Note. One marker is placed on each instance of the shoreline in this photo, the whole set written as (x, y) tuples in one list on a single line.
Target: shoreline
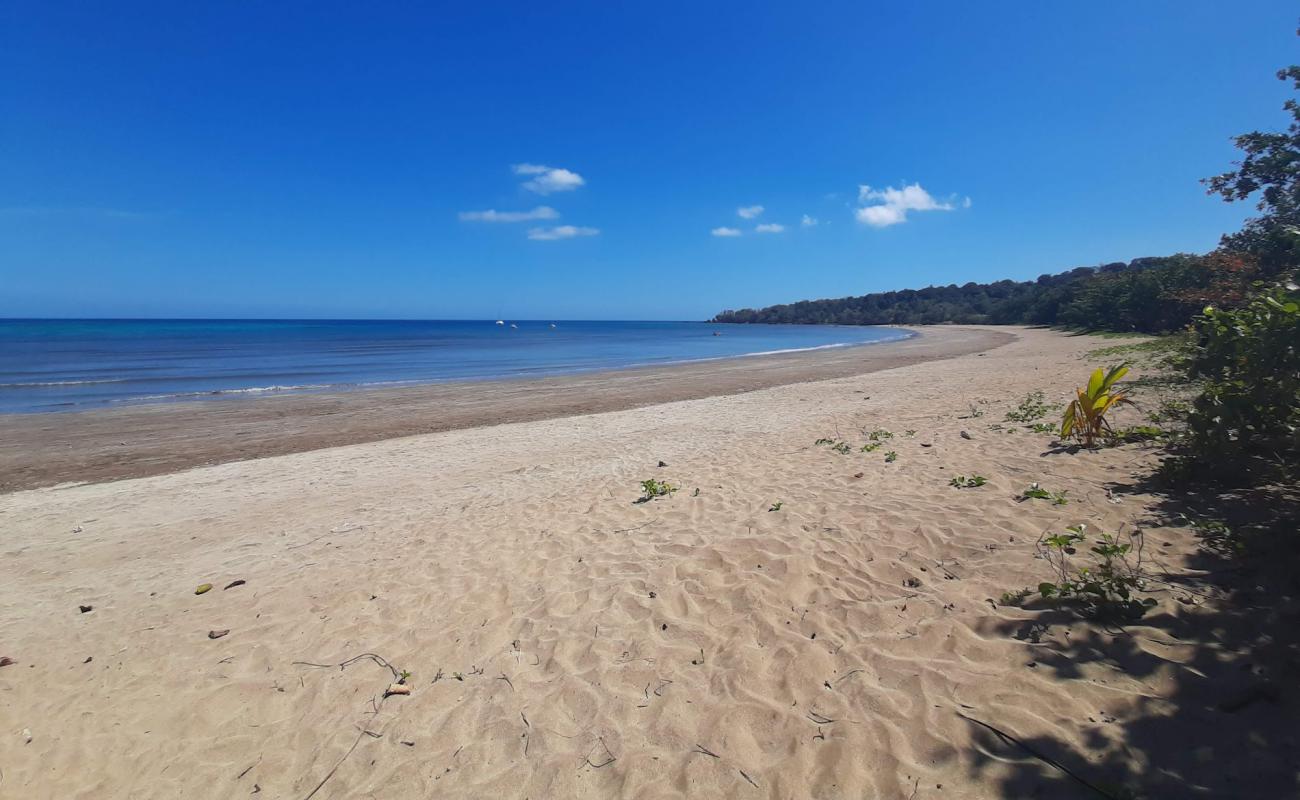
[(822, 619), (145, 439)]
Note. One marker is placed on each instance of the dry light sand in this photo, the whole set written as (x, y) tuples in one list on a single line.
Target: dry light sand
[(564, 641)]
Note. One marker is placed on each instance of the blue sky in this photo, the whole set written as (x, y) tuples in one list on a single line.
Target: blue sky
[(336, 159)]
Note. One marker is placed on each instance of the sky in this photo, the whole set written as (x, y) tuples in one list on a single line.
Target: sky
[(605, 160)]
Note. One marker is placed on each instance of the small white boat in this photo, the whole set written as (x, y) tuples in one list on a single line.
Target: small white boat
[(513, 325), (501, 322), (552, 324)]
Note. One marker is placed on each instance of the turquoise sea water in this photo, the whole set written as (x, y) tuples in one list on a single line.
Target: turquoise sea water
[(66, 365)]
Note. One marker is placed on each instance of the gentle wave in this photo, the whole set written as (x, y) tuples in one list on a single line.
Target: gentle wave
[(900, 337), (244, 390), (39, 384)]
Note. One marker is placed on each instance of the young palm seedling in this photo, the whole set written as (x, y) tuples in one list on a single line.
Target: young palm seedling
[(1085, 417), (962, 482), (776, 506), (891, 457)]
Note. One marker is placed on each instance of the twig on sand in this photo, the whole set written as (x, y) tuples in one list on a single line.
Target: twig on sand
[(375, 706), (342, 665), (637, 528), (746, 777), (1008, 738), (610, 758), (334, 532), (699, 748)]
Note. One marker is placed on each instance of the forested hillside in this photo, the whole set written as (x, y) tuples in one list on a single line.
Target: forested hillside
[(1146, 294)]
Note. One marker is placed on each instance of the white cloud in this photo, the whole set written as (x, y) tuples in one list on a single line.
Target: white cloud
[(881, 216), (492, 215), (771, 227), (725, 231), (548, 179), (749, 212), (892, 205), (807, 222), (560, 232)]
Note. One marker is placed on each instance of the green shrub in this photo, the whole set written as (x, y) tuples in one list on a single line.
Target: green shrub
[(1249, 359), (1106, 588)]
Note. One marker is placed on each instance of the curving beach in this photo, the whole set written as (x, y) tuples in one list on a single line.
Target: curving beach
[(791, 622)]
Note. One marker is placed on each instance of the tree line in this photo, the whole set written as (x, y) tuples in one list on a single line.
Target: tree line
[(1150, 295)]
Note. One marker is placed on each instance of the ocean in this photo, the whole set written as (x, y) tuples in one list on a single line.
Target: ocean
[(71, 365)]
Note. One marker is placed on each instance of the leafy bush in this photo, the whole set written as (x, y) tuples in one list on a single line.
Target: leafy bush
[(962, 482), (1085, 417), (1249, 359), (1104, 589)]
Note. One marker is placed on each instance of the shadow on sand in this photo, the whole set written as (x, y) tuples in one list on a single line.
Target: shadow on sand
[(1222, 719)]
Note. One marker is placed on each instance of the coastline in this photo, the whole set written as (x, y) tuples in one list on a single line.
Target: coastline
[(140, 440), (809, 621)]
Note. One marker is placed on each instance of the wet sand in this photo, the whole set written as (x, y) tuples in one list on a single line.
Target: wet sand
[(140, 440)]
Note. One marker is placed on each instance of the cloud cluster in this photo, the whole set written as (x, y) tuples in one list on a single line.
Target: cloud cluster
[(541, 180), (752, 212), (492, 215), (881, 208), (808, 222), (546, 180), (560, 232)]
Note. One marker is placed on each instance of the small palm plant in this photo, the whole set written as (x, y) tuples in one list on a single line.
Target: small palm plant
[(1085, 417)]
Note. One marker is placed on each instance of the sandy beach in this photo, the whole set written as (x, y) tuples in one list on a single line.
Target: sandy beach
[(792, 622), (154, 439)]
